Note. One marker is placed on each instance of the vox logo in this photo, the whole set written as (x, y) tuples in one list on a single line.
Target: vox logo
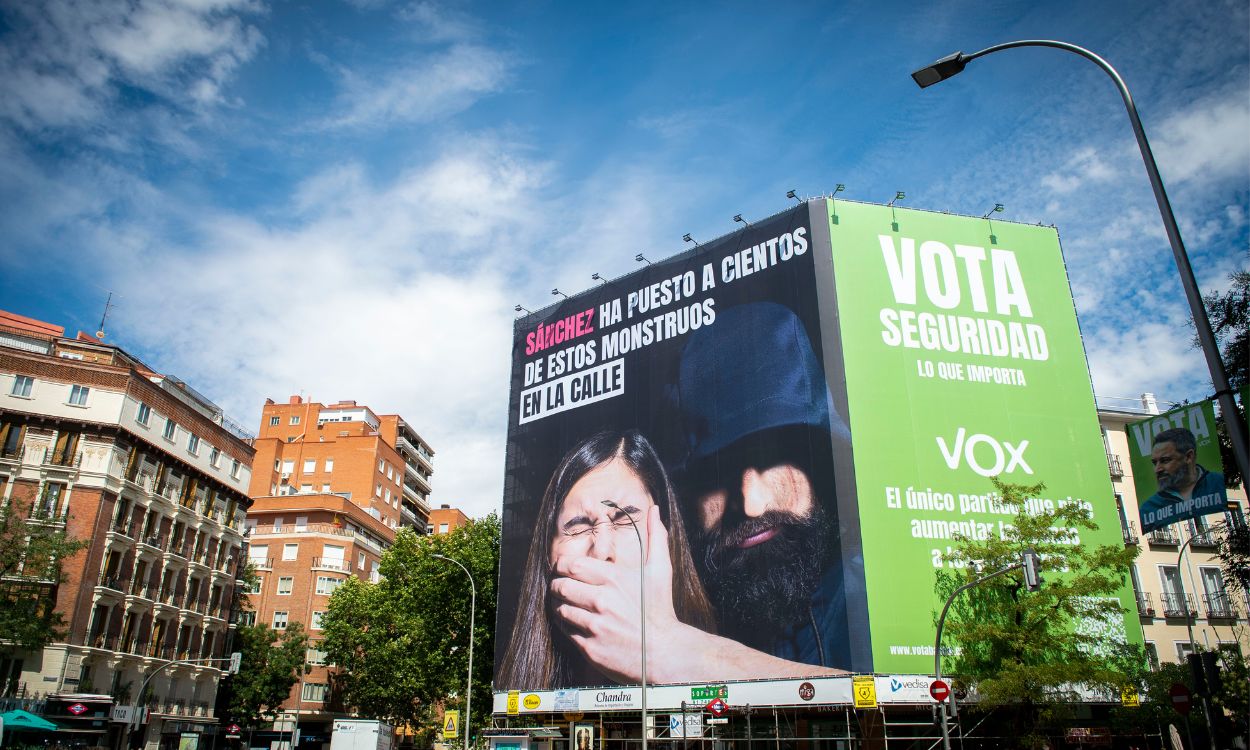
[(984, 454)]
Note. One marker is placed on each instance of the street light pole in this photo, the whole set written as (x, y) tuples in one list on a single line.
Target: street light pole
[(952, 64), (468, 687), (642, 609), (937, 645)]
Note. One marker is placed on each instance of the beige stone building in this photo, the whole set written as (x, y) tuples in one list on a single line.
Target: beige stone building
[(1182, 597)]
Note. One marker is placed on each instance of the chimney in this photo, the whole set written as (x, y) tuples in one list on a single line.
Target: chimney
[(296, 400)]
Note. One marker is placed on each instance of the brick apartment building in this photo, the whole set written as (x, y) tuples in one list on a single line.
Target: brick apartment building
[(331, 486), (445, 519), (153, 477)]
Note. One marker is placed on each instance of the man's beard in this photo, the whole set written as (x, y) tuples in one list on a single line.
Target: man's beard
[(760, 589), (1175, 480)]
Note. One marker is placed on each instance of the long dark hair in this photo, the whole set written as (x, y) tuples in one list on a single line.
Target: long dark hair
[(539, 655)]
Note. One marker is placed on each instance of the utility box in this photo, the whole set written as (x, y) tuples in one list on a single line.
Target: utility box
[(361, 734)]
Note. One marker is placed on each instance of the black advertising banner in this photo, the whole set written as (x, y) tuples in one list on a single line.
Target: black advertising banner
[(682, 415)]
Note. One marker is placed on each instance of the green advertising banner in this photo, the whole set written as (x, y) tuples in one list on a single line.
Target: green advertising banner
[(1177, 470), (963, 361)]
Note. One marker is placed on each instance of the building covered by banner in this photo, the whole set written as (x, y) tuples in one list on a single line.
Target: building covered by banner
[(791, 425)]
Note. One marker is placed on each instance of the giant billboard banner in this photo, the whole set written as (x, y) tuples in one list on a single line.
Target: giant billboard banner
[(777, 435), (1177, 468)]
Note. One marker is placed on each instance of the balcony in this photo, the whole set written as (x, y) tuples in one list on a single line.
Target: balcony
[(1145, 605), (103, 641), (261, 563), (1219, 606), (331, 563), (1204, 540), (1129, 531), (1114, 465), (112, 581), (1177, 605), (1165, 537), (143, 592)]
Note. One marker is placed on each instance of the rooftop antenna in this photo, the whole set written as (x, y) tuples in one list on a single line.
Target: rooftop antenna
[(107, 304)]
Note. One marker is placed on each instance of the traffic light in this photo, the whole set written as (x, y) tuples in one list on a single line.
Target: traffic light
[(1196, 673), (1211, 668), (1032, 570)]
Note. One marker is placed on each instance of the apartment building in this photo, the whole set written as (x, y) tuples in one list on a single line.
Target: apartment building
[(445, 519), (153, 478), (332, 485), (1181, 592)]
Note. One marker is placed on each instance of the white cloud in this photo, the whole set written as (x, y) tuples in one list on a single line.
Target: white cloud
[(1208, 139), (64, 61), (420, 91)]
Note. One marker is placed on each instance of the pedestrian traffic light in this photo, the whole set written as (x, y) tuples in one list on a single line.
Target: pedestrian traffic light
[(1032, 570)]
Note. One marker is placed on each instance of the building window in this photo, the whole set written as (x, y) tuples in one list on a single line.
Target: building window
[(325, 487), (246, 618), (279, 620), (78, 395), (301, 523), (234, 469), (1152, 655), (378, 492), (144, 415), (390, 473), (171, 429), (277, 524), (388, 495), (193, 444), (329, 465), (214, 457), (316, 619), (1183, 650), (442, 528), (288, 467), (305, 489), (290, 551), (295, 419), (326, 585), (285, 584), (275, 421), (310, 465), (381, 466), (255, 586), (315, 692), (360, 561), (22, 385), (314, 656)]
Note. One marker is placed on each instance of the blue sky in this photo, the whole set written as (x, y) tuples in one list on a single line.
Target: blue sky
[(346, 199)]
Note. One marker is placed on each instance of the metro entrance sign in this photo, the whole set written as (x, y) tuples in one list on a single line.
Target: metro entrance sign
[(940, 691), (717, 707)]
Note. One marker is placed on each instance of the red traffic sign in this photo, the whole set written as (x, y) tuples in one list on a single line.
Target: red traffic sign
[(717, 706), (76, 709), (233, 729), (1182, 699), (940, 691)]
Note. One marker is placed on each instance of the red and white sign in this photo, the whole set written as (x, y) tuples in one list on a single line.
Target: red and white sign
[(717, 706), (234, 729), (1182, 699), (76, 708), (940, 691)]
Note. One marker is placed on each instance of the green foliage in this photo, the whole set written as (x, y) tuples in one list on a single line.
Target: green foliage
[(1230, 322), (270, 666), (1234, 555), (402, 643), (1029, 650), (31, 552)]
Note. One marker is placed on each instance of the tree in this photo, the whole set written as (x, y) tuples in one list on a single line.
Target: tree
[(1234, 555), (271, 663), (1029, 650), (1230, 322), (31, 551), (402, 643)]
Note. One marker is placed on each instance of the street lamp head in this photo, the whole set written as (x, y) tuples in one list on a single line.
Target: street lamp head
[(791, 194), (939, 71)]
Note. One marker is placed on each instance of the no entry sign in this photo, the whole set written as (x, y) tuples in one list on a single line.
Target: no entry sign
[(940, 691), (1182, 699)]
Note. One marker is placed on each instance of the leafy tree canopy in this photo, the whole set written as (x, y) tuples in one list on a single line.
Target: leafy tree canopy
[(402, 643), (271, 663), (1029, 649), (31, 552)]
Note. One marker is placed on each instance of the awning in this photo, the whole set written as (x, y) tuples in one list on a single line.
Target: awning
[(17, 719)]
